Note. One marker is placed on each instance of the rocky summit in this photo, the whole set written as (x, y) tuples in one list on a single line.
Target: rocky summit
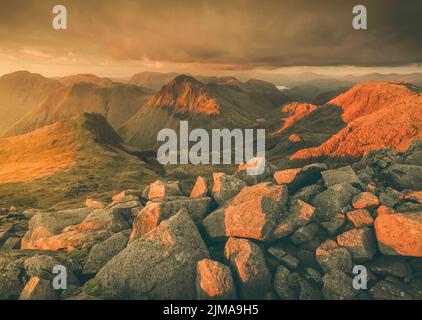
[(289, 234)]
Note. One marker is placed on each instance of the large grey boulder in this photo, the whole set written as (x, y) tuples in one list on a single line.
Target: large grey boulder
[(403, 176), (341, 175), (102, 252), (335, 200), (160, 265)]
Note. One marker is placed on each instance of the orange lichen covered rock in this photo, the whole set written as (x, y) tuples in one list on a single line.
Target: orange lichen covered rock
[(214, 281), (365, 200), (295, 138), (200, 189), (252, 214), (400, 234), (162, 189), (286, 176), (360, 218), (360, 243), (250, 268), (415, 196), (299, 214)]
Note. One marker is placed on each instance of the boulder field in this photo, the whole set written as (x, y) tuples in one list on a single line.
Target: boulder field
[(291, 234)]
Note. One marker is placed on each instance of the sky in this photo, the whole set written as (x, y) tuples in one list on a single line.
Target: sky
[(214, 37)]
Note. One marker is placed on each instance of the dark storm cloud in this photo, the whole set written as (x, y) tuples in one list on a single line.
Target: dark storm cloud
[(229, 33)]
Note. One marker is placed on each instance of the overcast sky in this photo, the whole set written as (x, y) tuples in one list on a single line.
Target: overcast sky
[(119, 38)]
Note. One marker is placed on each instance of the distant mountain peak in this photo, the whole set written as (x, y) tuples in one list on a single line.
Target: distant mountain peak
[(186, 94)]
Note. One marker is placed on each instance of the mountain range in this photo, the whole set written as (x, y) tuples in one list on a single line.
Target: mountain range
[(83, 133)]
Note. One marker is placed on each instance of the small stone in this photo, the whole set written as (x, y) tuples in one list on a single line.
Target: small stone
[(299, 214), (250, 268), (214, 281), (162, 189), (281, 284), (305, 233), (360, 243), (360, 218), (308, 193), (314, 276), (200, 189), (156, 212), (365, 200), (225, 187), (335, 224), (126, 193), (390, 266), (330, 256), (284, 257), (387, 290), (286, 176), (338, 286), (298, 178)]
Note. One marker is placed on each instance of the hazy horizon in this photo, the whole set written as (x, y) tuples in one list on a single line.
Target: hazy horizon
[(246, 39)]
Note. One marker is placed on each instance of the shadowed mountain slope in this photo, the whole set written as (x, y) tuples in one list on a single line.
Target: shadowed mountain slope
[(20, 92), (116, 102)]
